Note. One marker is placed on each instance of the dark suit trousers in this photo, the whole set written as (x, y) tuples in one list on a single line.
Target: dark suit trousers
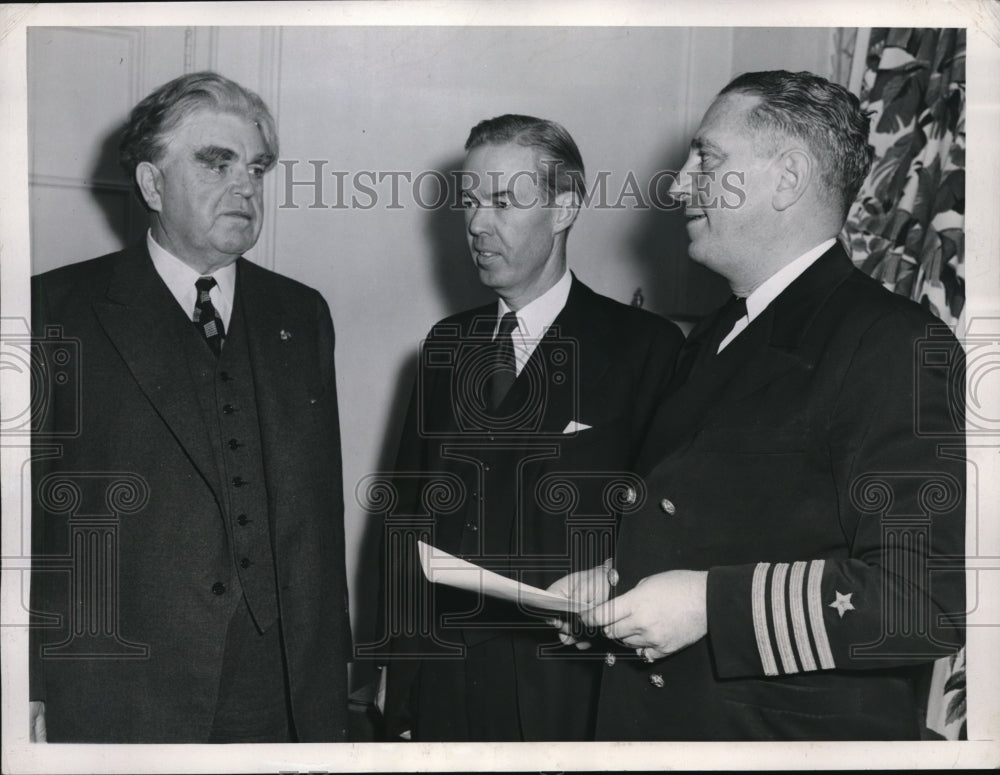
[(479, 699), (253, 702)]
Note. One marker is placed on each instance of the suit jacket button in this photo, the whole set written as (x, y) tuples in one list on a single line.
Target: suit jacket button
[(218, 588), (610, 659), (613, 577), (245, 563), (657, 680), (242, 519), (228, 409), (667, 507)]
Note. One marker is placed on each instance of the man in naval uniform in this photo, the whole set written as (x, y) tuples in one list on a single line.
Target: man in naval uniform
[(797, 559)]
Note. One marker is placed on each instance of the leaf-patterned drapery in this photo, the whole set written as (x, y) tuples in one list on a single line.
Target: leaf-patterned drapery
[(906, 227)]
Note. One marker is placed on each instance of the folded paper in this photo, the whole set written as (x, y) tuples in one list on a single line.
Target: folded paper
[(442, 568)]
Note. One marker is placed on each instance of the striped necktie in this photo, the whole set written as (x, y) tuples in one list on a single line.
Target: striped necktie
[(206, 317)]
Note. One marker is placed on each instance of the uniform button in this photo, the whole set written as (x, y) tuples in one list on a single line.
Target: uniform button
[(218, 588), (242, 519), (245, 563), (610, 659), (238, 481), (657, 680), (228, 409), (630, 496), (667, 507), (613, 577), (234, 444)]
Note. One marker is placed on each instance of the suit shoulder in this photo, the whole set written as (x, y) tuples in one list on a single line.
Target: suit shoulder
[(81, 273), (634, 320), (461, 323), (276, 282), (870, 303)]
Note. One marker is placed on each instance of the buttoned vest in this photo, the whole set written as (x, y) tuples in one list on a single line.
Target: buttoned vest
[(226, 393)]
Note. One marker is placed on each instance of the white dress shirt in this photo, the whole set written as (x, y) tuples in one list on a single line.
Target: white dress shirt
[(534, 318), (772, 287), (180, 279)]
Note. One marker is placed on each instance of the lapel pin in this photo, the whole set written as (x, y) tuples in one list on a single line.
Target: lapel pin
[(285, 335)]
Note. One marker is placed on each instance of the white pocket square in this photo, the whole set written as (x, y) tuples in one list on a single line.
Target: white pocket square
[(575, 427)]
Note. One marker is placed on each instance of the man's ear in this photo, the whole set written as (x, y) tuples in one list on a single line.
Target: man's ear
[(150, 182), (795, 171), (567, 205)]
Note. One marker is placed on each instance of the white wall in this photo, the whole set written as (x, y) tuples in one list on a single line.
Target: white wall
[(398, 99)]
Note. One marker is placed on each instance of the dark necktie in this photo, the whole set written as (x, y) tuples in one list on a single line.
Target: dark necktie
[(504, 368), (206, 317), (731, 312)]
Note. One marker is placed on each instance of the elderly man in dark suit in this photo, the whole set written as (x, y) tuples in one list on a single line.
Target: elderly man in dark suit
[(531, 412), (797, 561), (212, 607)]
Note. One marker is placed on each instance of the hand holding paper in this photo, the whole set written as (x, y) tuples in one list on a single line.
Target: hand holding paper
[(589, 588), (442, 568)]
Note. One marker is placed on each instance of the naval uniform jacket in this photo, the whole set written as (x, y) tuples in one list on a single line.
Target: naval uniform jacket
[(128, 433), (815, 468), (526, 496)]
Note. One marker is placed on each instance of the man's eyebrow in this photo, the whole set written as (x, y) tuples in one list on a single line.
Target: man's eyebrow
[(263, 159), (496, 196), (701, 144), (210, 154)]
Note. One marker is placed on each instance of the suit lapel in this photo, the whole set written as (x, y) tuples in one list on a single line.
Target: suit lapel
[(585, 342), (272, 336), (147, 327), (774, 343)]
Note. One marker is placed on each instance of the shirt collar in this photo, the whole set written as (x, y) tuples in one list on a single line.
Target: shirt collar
[(536, 316), (772, 287), (180, 279)]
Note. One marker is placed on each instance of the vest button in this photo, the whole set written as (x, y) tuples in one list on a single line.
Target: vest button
[(245, 563), (234, 444), (238, 481), (228, 409), (224, 376), (242, 519), (218, 588)]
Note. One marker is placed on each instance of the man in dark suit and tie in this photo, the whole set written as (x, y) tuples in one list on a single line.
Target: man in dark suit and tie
[(188, 539), (528, 413), (797, 562)]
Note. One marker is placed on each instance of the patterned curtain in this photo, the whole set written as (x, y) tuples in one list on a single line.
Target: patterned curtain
[(906, 227)]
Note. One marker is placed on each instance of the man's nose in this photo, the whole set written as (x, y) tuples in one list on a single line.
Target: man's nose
[(680, 189), (478, 220), (242, 183)]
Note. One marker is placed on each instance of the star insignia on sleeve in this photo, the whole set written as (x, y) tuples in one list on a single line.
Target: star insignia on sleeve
[(842, 603)]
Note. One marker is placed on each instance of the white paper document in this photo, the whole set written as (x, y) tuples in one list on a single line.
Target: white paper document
[(443, 568)]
